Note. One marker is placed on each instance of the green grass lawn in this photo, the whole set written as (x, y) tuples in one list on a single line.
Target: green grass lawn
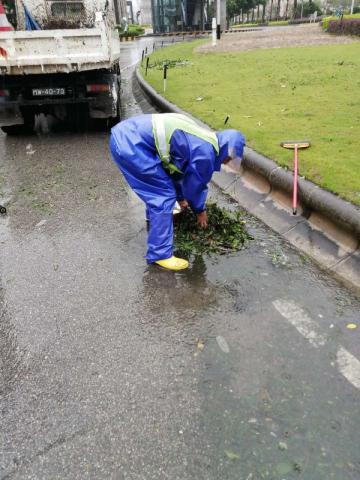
[(275, 23), (278, 94)]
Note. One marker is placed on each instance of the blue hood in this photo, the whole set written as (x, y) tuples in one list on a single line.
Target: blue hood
[(229, 139)]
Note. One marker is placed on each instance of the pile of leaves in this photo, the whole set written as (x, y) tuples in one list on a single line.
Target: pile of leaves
[(225, 233)]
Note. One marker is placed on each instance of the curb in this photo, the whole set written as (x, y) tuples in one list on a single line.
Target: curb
[(326, 228), (199, 33)]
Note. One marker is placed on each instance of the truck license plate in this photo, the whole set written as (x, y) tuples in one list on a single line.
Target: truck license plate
[(48, 92)]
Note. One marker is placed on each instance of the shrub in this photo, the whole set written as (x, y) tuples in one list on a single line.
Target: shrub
[(132, 30), (299, 21), (279, 23), (326, 20), (137, 29), (346, 26), (245, 25)]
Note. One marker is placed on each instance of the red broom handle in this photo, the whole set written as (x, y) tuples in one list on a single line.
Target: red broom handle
[(295, 179)]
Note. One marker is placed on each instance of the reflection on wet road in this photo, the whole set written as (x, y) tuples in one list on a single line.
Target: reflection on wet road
[(114, 369)]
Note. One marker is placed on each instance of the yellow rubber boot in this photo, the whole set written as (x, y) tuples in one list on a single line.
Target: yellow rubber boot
[(173, 263)]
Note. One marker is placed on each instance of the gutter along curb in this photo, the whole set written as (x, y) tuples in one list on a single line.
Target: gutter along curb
[(326, 228)]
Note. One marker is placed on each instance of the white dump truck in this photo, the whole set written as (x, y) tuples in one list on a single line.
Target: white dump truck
[(69, 68)]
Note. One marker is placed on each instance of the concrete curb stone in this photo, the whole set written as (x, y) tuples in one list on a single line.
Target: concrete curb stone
[(326, 228)]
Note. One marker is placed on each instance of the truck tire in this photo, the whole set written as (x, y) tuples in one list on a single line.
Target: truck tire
[(77, 118)]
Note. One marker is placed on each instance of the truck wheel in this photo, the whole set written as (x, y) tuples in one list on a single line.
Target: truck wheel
[(77, 118), (2, 210)]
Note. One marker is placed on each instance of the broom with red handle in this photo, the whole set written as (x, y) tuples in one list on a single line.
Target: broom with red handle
[(295, 145)]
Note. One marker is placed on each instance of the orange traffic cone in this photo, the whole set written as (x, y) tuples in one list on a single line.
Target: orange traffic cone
[(5, 25)]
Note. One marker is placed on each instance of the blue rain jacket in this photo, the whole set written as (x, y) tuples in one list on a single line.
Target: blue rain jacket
[(133, 149)]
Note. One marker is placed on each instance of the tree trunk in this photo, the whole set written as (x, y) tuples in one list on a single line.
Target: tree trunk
[(287, 9), (258, 12), (271, 7), (295, 8), (253, 15), (278, 10), (263, 13)]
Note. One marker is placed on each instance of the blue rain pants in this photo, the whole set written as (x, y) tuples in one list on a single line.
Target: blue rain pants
[(154, 186)]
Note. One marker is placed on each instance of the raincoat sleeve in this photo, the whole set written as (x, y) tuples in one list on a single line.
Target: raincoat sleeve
[(177, 181), (196, 159), (195, 187)]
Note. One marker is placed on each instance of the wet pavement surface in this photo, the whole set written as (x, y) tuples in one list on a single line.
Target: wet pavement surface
[(240, 368)]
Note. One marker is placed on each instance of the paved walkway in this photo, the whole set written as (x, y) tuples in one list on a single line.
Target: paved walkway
[(276, 37)]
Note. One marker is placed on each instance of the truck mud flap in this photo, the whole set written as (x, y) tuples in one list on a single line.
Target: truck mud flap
[(106, 105)]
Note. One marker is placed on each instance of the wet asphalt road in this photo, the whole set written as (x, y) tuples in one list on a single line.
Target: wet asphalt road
[(240, 368)]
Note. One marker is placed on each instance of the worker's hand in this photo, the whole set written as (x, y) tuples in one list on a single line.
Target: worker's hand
[(202, 220), (183, 205)]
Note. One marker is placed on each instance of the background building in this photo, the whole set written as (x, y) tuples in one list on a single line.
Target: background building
[(184, 15), (141, 12)]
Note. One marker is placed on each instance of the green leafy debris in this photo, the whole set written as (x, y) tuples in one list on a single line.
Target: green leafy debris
[(232, 455), (225, 233)]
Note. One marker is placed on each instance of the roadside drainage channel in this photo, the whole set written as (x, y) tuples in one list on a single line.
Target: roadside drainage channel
[(326, 227)]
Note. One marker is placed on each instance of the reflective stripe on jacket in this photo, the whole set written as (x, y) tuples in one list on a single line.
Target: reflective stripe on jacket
[(164, 125)]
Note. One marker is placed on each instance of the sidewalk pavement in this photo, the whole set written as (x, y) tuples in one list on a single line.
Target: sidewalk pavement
[(326, 227)]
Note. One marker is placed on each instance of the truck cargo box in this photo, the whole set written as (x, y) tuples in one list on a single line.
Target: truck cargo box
[(62, 51)]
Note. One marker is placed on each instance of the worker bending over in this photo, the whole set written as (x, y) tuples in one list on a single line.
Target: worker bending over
[(166, 158)]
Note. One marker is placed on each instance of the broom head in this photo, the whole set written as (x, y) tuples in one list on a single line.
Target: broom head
[(299, 143)]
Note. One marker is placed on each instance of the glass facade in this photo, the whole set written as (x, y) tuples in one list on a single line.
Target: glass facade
[(180, 15), (166, 15)]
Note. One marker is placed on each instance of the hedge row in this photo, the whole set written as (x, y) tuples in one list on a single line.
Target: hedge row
[(132, 31), (325, 21), (345, 27)]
